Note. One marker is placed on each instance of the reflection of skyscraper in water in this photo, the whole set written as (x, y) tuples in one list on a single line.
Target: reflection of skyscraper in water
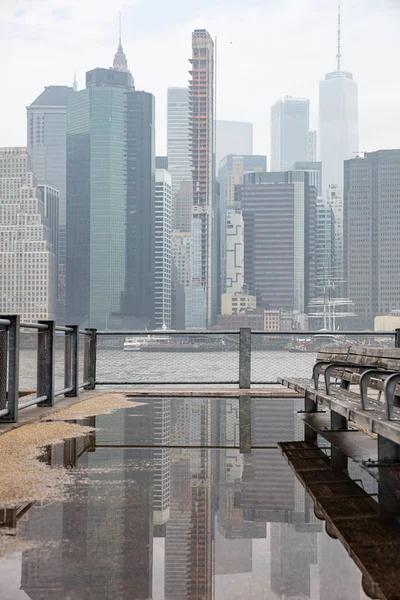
[(268, 492), (230, 519), (162, 460), (189, 531), (292, 552)]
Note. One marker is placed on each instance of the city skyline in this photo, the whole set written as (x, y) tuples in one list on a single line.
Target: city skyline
[(250, 102)]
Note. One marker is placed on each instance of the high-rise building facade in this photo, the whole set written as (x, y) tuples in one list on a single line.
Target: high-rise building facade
[(233, 137), (110, 201), (46, 139), (312, 146), (179, 154), (231, 172), (201, 110), (338, 121), (371, 212), (334, 199), (279, 238), (325, 250), (28, 263), (314, 169), (289, 132), (163, 251)]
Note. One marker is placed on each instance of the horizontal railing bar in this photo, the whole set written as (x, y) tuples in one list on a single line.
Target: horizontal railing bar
[(5, 322), (83, 332), (66, 329), (327, 333), (166, 332), (167, 382), (254, 332), (80, 387), (32, 402), (4, 412), (41, 326), (62, 392)]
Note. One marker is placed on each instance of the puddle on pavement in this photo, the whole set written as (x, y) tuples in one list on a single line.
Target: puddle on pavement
[(189, 522)]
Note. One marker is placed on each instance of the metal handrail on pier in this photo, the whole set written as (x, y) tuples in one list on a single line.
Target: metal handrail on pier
[(46, 333)]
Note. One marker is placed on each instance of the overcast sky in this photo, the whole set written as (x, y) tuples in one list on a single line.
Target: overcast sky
[(266, 49)]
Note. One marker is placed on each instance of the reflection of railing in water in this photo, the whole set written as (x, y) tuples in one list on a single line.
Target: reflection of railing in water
[(365, 524)]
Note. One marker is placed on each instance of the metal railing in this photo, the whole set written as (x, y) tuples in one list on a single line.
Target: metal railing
[(60, 361), (57, 360), (231, 358)]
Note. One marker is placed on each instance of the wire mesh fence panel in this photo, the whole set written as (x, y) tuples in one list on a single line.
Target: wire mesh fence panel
[(83, 342), (28, 362), (168, 359), (276, 355), (61, 366), (3, 367)]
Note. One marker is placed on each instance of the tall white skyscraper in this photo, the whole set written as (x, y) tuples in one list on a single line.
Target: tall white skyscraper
[(290, 119), (338, 121), (179, 156), (201, 97), (28, 273), (162, 256)]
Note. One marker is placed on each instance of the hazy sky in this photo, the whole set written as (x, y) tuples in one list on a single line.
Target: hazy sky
[(266, 49)]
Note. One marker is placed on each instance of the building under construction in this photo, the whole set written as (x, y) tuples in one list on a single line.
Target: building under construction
[(201, 108)]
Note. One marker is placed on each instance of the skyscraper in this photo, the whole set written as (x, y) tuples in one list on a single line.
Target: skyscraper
[(46, 139), (334, 199), (163, 256), (338, 120), (312, 146), (231, 172), (201, 101), (371, 213), (289, 132), (28, 274), (325, 249), (179, 153), (233, 137), (110, 201), (279, 238)]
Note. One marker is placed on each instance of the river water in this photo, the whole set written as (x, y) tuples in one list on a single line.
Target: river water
[(117, 366)]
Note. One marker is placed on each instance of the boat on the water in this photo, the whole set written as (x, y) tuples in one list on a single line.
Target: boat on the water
[(173, 343)]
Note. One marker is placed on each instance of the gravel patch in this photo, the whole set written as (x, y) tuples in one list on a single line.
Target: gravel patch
[(99, 405), (23, 477)]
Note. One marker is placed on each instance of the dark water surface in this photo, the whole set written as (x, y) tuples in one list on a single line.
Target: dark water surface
[(155, 511)]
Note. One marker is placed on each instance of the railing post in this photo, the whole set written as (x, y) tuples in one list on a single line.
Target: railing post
[(13, 369), (72, 360), (397, 339), (245, 358), (89, 369), (45, 365)]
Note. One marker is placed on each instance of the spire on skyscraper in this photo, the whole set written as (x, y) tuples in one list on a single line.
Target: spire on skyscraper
[(339, 55), (120, 63), (75, 84)]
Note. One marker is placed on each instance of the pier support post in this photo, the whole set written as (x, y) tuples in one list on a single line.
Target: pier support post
[(90, 359), (10, 353), (245, 358), (45, 362), (72, 361)]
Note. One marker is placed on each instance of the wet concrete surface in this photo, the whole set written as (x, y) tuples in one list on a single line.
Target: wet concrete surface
[(150, 509)]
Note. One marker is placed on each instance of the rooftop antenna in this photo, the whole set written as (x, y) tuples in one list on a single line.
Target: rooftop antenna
[(75, 84), (120, 28), (339, 55)]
